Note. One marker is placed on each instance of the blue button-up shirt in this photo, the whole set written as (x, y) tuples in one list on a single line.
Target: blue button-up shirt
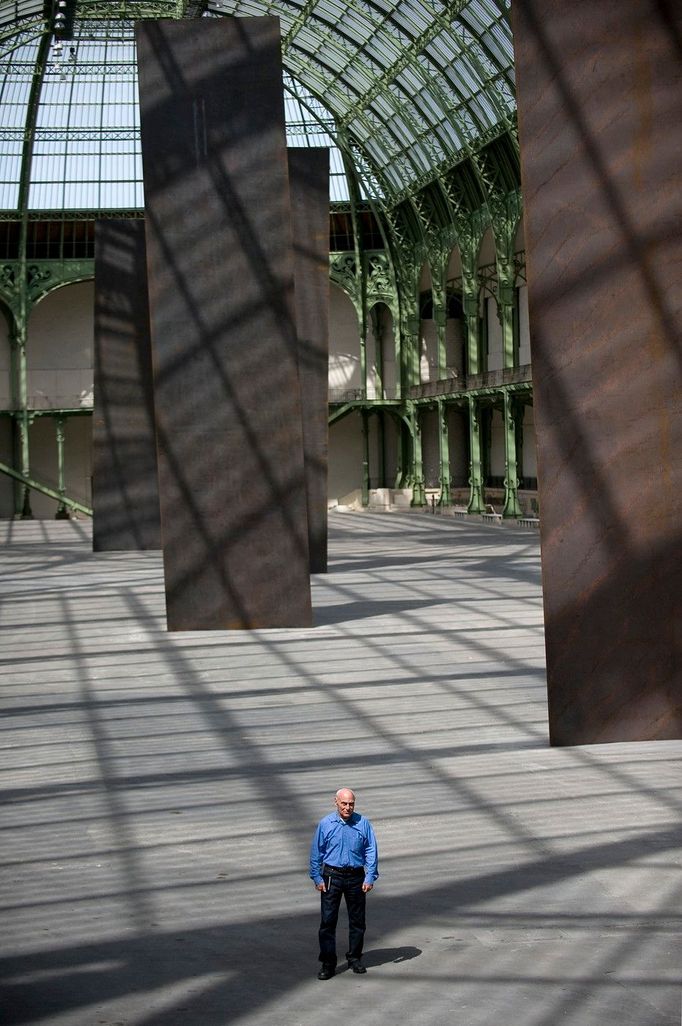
[(341, 843)]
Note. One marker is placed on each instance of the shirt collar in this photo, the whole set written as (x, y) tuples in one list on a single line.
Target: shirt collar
[(354, 817)]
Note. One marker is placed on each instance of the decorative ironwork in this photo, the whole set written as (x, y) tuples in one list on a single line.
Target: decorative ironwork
[(343, 271)]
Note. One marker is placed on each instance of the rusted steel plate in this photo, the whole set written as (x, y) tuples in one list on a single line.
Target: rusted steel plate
[(600, 116), (219, 253), (309, 188)]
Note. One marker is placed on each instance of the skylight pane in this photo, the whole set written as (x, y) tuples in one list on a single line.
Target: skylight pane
[(412, 16), (10, 171), (385, 49)]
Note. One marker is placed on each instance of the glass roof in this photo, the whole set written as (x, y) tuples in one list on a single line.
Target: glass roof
[(406, 88)]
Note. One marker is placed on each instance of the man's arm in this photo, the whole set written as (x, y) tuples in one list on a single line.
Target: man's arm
[(317, 858), (371, 858)]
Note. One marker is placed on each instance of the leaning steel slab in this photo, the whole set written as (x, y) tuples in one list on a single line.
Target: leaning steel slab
[(309, 188), (228, 414), (124, 483), (600, 123)]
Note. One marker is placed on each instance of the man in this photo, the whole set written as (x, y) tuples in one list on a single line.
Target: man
[(343, 862)]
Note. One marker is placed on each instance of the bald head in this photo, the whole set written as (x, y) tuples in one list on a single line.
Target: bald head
[(345, 802)]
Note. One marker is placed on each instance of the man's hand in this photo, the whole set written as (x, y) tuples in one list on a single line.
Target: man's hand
[(367, 887), (320, 886)]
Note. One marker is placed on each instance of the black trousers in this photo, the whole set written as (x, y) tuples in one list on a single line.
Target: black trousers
[(348, 886)]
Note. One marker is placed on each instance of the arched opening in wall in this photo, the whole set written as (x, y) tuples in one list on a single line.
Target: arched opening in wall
[(455, 325), (345, 364), (59, 360), (523, 330), (491, 339), (381, 353)]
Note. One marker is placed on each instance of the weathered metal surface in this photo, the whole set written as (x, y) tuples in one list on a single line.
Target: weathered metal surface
[(219, 254), (124, 484), (309, 189), (600, 115)]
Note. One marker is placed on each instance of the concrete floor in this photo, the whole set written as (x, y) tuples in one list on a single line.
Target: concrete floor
[(160, 792)]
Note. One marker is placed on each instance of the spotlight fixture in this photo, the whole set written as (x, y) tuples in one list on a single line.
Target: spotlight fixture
[(60, 14)]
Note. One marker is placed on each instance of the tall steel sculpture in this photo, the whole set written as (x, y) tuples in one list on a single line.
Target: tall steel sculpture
[(600, 125), (219, 255), (309, 189)]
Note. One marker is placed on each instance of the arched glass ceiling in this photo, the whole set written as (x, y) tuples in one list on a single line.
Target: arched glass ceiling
[(415, 84), (408, 88), (86, 151)]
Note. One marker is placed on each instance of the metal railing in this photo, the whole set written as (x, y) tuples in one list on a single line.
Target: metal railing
[(470, 382), (346, 395)]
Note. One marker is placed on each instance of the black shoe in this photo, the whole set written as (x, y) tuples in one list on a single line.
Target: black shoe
[(326, 972), (357, 966)]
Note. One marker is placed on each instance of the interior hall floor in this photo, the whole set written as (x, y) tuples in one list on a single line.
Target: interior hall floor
[(159, 793)]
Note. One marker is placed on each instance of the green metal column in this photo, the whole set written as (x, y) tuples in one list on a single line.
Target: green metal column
[(362, 327), (470, 310), (511, 476), (470, 307), (476, 503), (520, 417), (407, 337), (439, 299), (365, 457), (22, 418), (403, 456), (60, 425), (359, 297), (418, 492), (376, 321), (507, 219), (470, 230), (439, 316), (444, 454)]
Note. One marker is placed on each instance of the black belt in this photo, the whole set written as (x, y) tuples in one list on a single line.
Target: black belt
[(342, 870)]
